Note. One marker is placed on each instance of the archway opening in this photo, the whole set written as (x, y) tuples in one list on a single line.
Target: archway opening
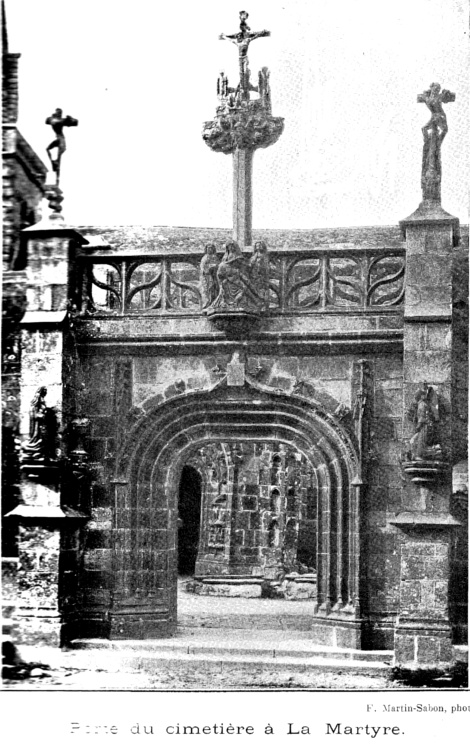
[(189, 520)]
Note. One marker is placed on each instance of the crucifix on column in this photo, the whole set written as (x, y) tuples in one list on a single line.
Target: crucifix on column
[(243, 124)]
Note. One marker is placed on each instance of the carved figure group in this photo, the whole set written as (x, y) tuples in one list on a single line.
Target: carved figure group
[(243, 40), (233, 281)]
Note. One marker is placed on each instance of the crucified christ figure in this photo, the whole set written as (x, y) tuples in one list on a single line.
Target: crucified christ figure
[(434, 133), (58, 122), (434, 98), (242, 40)]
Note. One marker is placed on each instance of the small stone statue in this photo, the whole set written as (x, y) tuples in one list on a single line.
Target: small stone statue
[(222, 85), (58, 122), (259, 271), (264, 89), (424, 444), (42, 430), (208, 276), (434, 133)]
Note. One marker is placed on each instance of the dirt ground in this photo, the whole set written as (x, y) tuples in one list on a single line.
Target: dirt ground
[(193, 678)]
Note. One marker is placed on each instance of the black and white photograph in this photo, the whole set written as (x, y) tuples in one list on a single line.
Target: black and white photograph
[(235, 359)]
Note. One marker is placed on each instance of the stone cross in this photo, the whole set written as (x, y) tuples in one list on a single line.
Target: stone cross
[(434, 133), (243, 39), (241, 126), (58, 123)]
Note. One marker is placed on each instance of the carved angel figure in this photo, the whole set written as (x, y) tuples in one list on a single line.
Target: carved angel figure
[(424, 444)]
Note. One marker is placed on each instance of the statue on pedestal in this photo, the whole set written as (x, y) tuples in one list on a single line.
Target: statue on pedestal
[(42, 430), (424, 444), (434, 133)]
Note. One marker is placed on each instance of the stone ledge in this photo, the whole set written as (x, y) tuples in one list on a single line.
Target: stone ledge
[(413, 520)]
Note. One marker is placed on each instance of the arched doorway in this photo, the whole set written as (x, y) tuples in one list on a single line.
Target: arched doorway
[(148, 475), (189, 520)]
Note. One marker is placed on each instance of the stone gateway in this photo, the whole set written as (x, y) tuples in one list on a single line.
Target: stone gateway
[(260, 414)]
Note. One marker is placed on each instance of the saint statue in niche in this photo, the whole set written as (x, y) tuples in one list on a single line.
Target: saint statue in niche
[(42, 429), (424, 444)]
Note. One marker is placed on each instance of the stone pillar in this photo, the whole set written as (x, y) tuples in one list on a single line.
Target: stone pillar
[(423, 638), (242, 196), (42, 513)]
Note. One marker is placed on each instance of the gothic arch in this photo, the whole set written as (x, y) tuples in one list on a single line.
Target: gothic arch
[(147, 475)]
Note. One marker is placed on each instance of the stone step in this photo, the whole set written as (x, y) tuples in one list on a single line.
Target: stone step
[(149, 661), (219, 648), (253, 621)]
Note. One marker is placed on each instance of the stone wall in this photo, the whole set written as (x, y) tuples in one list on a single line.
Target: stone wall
[(23, 183)]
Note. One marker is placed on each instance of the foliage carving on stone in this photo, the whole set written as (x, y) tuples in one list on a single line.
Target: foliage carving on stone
[(249, 128)]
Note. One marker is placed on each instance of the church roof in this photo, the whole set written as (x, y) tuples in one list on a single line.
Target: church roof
[(145, 239)]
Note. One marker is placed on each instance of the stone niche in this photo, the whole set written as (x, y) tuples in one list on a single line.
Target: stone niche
[(258, 527)]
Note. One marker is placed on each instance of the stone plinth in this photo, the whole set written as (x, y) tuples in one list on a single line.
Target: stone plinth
[(37, 610), (297, 586), (423, 635)]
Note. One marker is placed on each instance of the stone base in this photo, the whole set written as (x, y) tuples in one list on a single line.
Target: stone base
[(247, 588), (236, 323), (141, 625), (423, 645), (37, 627), (296, 586)]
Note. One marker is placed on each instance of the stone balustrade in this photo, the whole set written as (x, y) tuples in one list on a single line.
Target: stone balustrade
[(299, 281)]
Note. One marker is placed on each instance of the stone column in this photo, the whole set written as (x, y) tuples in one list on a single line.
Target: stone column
[(242, 196), (42, 513), (423, 638)]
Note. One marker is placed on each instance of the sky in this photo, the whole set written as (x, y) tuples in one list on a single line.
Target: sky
[(141, 79)]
